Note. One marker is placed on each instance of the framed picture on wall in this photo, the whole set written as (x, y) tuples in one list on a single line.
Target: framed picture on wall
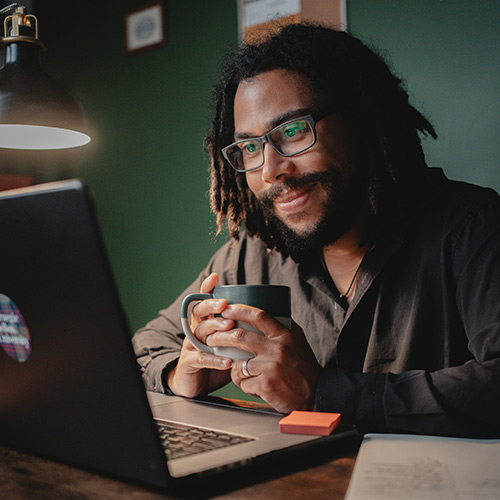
[(144, 28)]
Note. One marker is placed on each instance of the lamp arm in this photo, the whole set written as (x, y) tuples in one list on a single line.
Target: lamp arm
[(9, 7)]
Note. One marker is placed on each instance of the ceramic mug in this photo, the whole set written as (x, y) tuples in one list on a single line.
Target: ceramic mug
[(273, 299)]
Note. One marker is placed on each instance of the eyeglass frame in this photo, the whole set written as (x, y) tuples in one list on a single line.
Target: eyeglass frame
[(312, 119)]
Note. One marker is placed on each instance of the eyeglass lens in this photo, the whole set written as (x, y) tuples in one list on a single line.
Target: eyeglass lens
[(288, 139)]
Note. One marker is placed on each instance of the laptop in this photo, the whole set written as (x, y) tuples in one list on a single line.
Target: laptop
[(70, 386)]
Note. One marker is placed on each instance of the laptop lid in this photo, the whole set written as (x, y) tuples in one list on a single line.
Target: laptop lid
[(69, 384), (70, 387)]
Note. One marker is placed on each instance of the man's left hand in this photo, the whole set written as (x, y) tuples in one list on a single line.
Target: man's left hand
[(283, 371)]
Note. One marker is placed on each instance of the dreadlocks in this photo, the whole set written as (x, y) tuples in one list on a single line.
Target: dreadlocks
[(368, 95)]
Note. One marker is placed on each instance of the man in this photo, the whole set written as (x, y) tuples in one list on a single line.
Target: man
[(394, 270)]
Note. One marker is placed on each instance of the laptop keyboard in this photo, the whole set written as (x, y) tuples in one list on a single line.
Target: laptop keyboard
[(181, 440)]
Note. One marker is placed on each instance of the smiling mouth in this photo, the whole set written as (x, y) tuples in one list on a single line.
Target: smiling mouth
[(291, 197), (294, 200)]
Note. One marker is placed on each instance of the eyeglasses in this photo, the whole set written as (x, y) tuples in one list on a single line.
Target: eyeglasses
[(288, 139)]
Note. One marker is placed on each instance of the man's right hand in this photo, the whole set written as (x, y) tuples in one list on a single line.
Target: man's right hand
[(200, 372)]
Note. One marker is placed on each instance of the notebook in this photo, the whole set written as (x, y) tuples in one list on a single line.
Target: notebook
[(70, 386)]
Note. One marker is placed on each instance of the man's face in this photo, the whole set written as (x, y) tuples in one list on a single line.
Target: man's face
[(312, 198)]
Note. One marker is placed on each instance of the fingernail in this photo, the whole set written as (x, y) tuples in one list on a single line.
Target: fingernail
[(226, 362), (226, 311), (209, 340), (219, 304)]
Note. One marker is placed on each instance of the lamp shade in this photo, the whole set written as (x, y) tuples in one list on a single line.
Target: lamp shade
[(35, 112)]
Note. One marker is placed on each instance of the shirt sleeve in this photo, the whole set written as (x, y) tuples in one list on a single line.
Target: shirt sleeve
[(457, 400), (157, 346)]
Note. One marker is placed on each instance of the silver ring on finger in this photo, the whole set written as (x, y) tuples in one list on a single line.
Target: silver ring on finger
[(244, 369)]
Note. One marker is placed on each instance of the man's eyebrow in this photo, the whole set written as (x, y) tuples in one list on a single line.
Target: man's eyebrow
[(284, 117)]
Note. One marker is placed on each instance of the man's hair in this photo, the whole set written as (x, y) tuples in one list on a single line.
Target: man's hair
[(372, 100)]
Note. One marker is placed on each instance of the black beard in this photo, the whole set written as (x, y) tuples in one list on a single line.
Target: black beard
[(340, 211)]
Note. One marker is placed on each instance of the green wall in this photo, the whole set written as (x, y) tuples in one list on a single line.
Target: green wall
[(448, 53), (146, 166), (149, 113)]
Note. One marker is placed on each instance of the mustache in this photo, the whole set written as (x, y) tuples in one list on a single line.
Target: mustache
[(267, 198)]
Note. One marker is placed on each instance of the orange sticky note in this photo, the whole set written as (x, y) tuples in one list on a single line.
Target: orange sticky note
[(309, 422)]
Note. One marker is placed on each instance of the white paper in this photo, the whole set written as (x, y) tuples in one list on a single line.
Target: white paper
[(407, 467), (261, 11)]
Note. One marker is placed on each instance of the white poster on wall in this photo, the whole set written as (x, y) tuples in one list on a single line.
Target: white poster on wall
[(256, 16), (254, 12)]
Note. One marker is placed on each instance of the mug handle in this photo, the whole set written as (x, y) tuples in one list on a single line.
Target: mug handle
[(185, 323)]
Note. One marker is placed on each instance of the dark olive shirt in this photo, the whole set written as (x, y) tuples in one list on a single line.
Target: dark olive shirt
[(418, 348)]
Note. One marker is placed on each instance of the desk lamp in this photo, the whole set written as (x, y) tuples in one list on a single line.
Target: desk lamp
[(35, 112)]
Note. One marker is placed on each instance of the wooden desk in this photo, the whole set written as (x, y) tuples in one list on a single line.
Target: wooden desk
[(23, 476)]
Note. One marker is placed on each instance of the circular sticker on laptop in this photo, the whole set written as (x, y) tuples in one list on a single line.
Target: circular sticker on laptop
[(14, 334)]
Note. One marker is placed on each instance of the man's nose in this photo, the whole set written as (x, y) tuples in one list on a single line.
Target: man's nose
[(275, 165)]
